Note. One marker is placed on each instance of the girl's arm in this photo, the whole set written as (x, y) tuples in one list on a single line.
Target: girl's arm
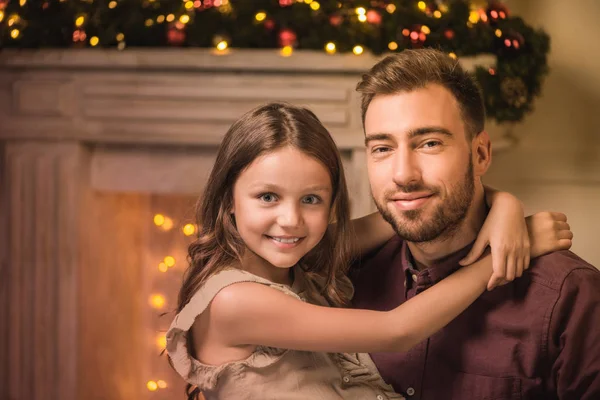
[(253, 314)]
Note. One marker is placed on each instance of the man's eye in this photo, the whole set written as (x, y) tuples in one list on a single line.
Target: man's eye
[(380, 150), (432, 143), (267, 197), (312, 199)]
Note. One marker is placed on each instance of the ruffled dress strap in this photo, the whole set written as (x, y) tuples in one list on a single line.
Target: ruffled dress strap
[(192, 370)]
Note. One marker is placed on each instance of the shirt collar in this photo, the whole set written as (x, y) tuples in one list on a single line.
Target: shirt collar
[(439, 270)]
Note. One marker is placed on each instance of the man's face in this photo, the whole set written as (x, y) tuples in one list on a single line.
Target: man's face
[(419, 162)]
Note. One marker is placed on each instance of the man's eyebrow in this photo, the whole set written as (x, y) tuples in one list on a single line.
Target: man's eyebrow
[(377, 136), (429, 129)]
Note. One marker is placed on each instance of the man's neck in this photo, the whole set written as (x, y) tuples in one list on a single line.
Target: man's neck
[(427, 253)]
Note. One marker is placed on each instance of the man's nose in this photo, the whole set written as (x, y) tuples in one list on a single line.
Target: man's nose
[(406, 169)]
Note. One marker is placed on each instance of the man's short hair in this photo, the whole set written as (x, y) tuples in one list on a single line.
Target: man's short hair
[(415, 69)]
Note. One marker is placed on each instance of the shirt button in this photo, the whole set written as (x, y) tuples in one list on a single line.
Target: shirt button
[(379, 397), (346, 379), (414, 277), (410, 391)]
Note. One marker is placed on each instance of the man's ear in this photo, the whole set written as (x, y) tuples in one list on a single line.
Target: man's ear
[(481, 150)]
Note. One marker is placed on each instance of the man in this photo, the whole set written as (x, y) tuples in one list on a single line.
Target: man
[(537, 337)]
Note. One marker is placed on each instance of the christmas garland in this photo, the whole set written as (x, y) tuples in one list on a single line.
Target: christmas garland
[(459, 27)]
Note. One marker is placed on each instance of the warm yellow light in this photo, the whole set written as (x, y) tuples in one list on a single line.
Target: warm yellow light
[(159, 219), (161, 384), (149, 22), (437, 14), (160, 19), (167, 225), (315, 5), (392, 45), (170, 261), (330, 48), (189, 5), (498, 33), (152, 386), (1, 15), (425, 29), (190, 229), (361, 11), (358, 50), (80, 20), (184, 19), (473, 17), (222, 45), (22, 2), (260, 16), (390, 8), (170, 18), (120, 37), (112, 4), (14, 33), (94, 41), (422, 6), (162, 267), (453, 55), (161, 341), (443, 8), (287, 51), (362, 18), (306, 1), (121, 46), (157, 301)]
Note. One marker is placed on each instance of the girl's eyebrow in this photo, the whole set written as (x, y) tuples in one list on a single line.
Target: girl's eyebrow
[(276, 188)]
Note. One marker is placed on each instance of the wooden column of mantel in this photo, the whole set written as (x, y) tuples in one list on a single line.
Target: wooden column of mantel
[(42, 184)]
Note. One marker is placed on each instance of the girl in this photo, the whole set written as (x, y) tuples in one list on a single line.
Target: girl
[(261, 312)]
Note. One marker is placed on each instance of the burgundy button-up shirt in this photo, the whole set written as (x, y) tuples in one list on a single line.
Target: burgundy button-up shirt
[(535, 338)]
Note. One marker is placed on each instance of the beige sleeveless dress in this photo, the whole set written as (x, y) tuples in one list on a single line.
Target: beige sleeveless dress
[(272, 373)]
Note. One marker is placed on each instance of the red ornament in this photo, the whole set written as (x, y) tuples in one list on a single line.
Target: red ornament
[(415, 35), (287, 37), (3, 4), (335, 20), (513, 40), (449, 34), (373, 17), (496, 11), (286, 3), (175, 36), (269, 24)]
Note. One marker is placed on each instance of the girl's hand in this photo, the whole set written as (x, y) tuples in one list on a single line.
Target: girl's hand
[(548, 232), (505, 231)]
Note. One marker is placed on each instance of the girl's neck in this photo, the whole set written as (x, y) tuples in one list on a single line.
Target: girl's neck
[(260, 267)]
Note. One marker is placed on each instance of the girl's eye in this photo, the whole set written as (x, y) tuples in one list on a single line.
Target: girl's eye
[(268, 197), (312, 199)]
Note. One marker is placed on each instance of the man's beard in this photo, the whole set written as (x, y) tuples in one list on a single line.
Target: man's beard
[(446, 218)]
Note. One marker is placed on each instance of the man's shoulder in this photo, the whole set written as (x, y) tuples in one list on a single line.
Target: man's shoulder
[(554, 269)]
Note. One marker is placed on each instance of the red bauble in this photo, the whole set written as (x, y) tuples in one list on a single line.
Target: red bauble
[(335, 20), (3, 4), (175, 36), (286, 3), (513, 40), (496, 11), (287, 37), (449, 34), (373, 17), (269, 24)]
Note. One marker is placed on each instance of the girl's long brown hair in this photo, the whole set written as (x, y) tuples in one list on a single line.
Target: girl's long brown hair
[(218, 246), (262, 130)]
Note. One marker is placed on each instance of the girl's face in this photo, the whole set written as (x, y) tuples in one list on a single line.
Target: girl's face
[(281, 204)]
